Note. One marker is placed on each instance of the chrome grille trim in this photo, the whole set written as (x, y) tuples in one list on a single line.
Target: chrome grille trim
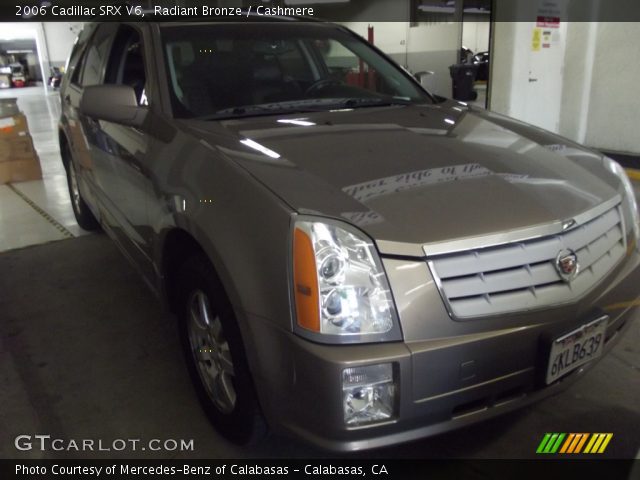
[(520, 276), (525, 234)]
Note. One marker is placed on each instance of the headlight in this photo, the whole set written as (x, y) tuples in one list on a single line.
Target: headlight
[(630, 195), (340, 289)]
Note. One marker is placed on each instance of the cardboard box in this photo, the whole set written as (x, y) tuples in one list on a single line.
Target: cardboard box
[(17, 148), (13, 123), (20, 171), (18, 159), (14, 126), (9, 107)]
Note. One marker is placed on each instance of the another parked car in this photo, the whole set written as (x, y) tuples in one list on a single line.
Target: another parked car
[(466, 55), (5, 76), (55, 78), (481, 59), (19, 75), (352, 260), (5, 80)]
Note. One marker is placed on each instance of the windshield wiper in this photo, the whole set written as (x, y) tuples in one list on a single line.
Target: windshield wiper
[(301, 106), (359, 102), (244, 111)]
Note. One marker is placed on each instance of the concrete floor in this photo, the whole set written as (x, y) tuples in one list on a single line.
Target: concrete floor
[(481, 101), (77, 364), (20, 224), (88, 353)]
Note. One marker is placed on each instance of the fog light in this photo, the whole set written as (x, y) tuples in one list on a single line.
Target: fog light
[(368, 394)]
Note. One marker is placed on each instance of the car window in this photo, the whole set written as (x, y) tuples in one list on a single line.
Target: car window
[(214, 71), (293, 59), (347, 67), (77, 69), (95, 55), (126, 63), (76, 59)]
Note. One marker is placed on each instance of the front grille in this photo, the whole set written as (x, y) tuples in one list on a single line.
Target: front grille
[(522, 275)]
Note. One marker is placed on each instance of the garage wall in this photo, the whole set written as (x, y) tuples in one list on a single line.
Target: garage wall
[(417, 47), (475, 32), (435, 47), (510, 69), (590, 87), (32, 31), (613, 114), (590, 91), (423, 47), (60, 37), (54, 41)]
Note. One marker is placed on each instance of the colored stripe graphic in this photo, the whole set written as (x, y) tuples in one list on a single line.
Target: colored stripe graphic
[(607, 439), (550, 443), (555, 447), (544, 441), (591, 442), (573, 443), (598, 442), (567, 442), (581, 443), (577, 439)]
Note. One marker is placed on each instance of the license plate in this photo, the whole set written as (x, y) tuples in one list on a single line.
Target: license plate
[(576, 348)]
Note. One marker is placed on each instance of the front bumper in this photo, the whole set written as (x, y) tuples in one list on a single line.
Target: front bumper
[(449, 373)]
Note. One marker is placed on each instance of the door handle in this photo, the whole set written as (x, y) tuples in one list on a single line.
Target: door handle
[(531, 80)]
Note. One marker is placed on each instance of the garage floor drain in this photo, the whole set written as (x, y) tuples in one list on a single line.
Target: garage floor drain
[(43, 214)]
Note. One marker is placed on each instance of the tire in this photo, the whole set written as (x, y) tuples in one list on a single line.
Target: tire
[(81, 210), (215, 354)]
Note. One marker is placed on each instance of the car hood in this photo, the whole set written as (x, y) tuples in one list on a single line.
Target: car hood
[(418, 175)]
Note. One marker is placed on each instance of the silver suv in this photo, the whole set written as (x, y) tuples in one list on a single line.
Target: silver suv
[(352, 260)]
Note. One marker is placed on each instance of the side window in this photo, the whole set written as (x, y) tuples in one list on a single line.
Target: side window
[(77, 68), (73, 67), (95, 55), (126, 63)]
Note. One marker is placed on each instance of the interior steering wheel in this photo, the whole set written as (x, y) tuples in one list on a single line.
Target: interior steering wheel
[(322, 83)]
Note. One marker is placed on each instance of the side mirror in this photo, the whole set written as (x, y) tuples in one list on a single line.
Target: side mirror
[(114, 103)]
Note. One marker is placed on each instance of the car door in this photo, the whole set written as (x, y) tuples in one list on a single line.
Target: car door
[(86, 67), (120, 154)]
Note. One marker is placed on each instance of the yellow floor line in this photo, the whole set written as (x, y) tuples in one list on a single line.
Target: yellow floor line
[(66, 233), (634, 174), (621, 305)]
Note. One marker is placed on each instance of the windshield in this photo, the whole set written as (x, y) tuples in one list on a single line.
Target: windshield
[(230, 70)]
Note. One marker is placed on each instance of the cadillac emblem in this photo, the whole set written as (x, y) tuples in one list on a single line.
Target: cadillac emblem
[(567, 265)]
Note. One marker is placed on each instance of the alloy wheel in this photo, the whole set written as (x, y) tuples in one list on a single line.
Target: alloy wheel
[(211, 352)]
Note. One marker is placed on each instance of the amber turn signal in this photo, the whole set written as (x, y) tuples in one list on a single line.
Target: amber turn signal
[(305, 282)]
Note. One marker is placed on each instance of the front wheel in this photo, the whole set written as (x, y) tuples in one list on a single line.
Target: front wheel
[(215, 354), (81, 211)]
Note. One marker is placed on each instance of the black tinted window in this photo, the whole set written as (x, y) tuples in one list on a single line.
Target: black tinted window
[(126, 63), (235, 69), (77, 68)]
